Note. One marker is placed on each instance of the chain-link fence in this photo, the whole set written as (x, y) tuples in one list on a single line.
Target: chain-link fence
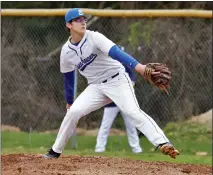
[(32, 85)]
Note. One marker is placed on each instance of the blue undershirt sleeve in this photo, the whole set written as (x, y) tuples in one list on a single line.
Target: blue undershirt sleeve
[(131, 73), (116, 53), (69, 81)]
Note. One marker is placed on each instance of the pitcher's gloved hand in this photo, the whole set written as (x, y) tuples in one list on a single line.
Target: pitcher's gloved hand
[(158, 74)]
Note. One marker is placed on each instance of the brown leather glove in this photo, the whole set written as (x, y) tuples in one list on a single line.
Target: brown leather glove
[(158, 74)]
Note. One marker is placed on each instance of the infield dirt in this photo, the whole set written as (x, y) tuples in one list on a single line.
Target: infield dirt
[(32, 164)]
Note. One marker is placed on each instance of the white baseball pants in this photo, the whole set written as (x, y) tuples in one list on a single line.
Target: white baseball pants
[(95, 96), (109, 116)]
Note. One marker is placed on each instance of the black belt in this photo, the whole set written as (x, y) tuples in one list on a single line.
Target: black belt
[(111, 77)]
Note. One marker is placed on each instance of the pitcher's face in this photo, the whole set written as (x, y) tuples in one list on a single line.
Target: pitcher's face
[(78, 25)]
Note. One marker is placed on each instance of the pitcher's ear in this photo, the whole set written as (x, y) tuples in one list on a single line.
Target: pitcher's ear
[(68, 25)]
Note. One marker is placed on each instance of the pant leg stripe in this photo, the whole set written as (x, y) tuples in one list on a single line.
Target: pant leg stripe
[(140, 109)]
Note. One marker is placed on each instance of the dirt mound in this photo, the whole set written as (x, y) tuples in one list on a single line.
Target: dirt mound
[(25, 164)]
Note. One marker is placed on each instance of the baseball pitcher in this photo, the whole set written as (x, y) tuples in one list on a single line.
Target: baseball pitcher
[(100, 60)]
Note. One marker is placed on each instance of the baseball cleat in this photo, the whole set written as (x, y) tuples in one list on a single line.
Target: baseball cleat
[(51, 154), (169, 149)]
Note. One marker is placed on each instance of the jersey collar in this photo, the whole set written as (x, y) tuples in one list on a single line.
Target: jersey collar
[(80, 43)]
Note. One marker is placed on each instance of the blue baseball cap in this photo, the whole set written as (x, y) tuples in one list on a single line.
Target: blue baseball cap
[(72, 14)]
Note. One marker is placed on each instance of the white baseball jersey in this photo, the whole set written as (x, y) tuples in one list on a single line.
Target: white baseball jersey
[(91, 58)]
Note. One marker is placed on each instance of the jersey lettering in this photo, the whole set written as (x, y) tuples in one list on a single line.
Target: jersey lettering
[(87, 61)]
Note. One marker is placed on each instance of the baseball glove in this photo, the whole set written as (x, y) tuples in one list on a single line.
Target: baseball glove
[(158, 74)]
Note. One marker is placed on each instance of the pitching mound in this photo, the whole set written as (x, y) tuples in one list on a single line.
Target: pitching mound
[(25, 164)]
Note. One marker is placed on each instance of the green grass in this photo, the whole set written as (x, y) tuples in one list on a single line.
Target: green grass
[(189, 139)]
